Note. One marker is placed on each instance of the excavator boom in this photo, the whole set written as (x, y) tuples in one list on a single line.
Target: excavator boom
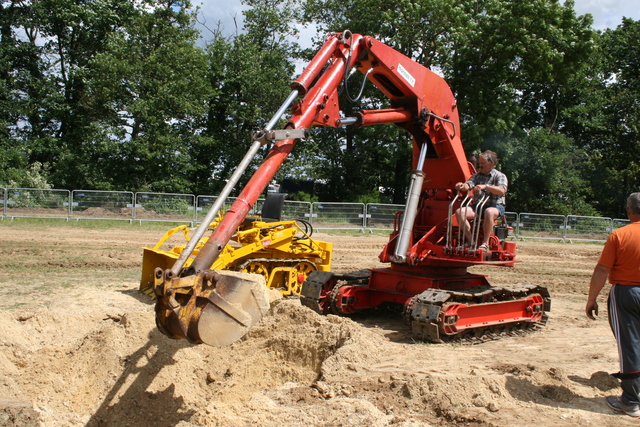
[(424, 106)]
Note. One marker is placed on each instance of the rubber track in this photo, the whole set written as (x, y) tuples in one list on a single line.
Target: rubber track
[(356, 278), (494, 332), (476, 295)]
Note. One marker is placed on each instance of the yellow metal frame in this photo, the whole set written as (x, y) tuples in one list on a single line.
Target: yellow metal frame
[(285, 251)]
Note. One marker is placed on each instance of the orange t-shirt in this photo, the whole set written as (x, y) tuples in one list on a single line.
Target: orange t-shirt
[(621, 254)]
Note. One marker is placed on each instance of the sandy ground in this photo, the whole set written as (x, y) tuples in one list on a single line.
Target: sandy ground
[(79, 347)]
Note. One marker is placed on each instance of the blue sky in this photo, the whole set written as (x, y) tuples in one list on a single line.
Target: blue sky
[(606, 13)]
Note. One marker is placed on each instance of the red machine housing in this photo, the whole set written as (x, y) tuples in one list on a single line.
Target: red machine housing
[(422, 103)]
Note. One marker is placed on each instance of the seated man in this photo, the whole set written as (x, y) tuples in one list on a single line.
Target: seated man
[(493, 182)]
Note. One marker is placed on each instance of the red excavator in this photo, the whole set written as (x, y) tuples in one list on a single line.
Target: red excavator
[(427, 252)]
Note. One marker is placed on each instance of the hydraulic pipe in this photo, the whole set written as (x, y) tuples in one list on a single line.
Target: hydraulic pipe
[(449, 222), (222, 197), (389, 115), (477, 223), (345, 121), (311, 71), (285, 105), (464, 205)]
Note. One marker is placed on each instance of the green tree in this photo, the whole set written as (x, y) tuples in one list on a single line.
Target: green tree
[(611, 119), (497, 55), (104, 92), (250, 75), (18, 59), (545, 172), (152, 79), (64, 36), (511, 64)]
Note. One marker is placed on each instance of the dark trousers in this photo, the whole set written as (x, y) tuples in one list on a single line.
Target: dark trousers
[(624, 319)]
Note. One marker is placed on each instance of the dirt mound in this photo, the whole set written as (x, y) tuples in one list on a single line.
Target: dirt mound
[(112, 367), (79, 347)]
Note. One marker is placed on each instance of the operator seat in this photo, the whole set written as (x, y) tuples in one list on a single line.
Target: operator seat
[(272, 207), (271, 210)]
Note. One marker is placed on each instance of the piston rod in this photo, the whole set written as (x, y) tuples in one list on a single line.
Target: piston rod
[(411, 209)]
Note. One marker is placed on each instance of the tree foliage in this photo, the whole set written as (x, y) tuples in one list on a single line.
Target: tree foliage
[(507, 62), (250, 76), (546, 174), (102, 97), (513, 66), (119, 95), (615, 141), (151, 77)]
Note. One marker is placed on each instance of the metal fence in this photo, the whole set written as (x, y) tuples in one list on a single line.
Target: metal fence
[(190, 209), (165, 207), (540, 226), (332, 215), (94, 204), (587, 228), (204, 203), (380, 215), (36, 203)]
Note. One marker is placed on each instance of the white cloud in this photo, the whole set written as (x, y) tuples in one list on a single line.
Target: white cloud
[(225, 15), (608, 13)]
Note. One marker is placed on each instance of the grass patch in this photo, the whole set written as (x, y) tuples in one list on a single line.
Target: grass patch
[(89, 223)]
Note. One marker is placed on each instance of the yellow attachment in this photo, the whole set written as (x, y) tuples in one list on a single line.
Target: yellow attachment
[(281, 252)]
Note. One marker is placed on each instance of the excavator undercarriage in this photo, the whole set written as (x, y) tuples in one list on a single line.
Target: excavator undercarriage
[(470, 315), (282, 252), (219, 305)]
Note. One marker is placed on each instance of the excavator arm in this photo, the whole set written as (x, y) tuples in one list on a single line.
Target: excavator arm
[(191, 304)]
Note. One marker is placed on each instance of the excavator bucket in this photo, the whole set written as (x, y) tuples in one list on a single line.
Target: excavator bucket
[(210, 307)]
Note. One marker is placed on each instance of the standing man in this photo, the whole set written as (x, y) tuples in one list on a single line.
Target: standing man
[(492, 181), (620, 261)]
